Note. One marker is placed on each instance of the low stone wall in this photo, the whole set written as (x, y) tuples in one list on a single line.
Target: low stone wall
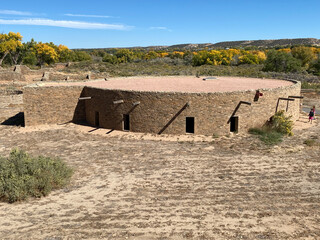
[(157, 112), (52, 76), (52, 105), (11, 76)]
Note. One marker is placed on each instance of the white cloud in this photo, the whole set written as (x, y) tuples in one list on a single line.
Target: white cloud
[(85, 15), (65, 24), (13, 12), (160, 28)]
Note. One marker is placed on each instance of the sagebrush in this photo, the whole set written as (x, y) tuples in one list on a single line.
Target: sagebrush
[(23, 176)]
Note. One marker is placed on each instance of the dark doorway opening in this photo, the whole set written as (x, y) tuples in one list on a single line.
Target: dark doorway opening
[(189, 124), (234, 124), (97, 119), (126, 122)]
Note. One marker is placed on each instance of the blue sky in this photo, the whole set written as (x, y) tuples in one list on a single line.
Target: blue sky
[(127, 23)]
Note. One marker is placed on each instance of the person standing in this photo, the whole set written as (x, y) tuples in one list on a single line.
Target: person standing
[(311, 115)]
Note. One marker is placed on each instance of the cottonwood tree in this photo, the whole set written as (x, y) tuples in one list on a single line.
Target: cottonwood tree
[(304, 54), (45, 53), (9, 44), (281, 62), (28, 55), (65, 54), (315, 67)]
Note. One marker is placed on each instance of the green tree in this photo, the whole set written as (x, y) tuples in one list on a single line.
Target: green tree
[(124, 55), (110, 59), (29, 55), (304, 54), (281, 62), (315, 67), (79, 56)]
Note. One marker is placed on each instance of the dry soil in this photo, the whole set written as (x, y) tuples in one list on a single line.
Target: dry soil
[(141, 186)]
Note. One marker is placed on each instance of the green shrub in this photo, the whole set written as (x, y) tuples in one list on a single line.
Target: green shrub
[(315, 67), (257, 131), (273, 132), (22, 175), (311, 142), (266, 135), (306, 85), (271, 137)]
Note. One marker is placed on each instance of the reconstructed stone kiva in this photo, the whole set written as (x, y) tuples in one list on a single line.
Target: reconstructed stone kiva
[(197, 106)]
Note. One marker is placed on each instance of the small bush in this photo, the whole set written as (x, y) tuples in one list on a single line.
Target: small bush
[(282, 124), (22, 175), (306, 85), (266, 135), (271, 138), (272, 133), (256, 131), (311, 143)]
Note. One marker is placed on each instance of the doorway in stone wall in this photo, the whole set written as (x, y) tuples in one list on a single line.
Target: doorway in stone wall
[(126, 122), (97, 119), (189, 124), (234, 124)]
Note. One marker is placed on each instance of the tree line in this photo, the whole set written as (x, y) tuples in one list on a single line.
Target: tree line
[(13, 51), (294, 59)]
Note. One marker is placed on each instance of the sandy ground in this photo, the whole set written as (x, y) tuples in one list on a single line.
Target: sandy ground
[(142, 186)]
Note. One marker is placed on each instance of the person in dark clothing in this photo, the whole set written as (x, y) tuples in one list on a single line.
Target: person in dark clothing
[(311, 115)]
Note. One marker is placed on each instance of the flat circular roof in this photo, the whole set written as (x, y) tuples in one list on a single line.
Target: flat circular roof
[(183, 84)]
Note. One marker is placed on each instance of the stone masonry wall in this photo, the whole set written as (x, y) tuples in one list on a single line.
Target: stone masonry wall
[(210, 110), (11, 76), (52, 105)]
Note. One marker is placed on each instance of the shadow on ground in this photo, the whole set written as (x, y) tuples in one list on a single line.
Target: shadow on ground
[(16, 120)]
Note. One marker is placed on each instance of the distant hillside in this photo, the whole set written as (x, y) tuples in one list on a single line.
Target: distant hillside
[(268, 43), (235, 44), (248, 43)]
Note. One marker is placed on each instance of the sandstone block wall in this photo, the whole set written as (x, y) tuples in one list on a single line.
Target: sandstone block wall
[(52, 105), (158, 111), (211, 111)]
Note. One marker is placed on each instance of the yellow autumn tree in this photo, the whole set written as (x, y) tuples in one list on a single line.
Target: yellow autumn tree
[(286, 50), (163, 54), (261, 55), (9, 44), (64, 53), (304, 54), (151, 55), (45, 53), (315, 50)]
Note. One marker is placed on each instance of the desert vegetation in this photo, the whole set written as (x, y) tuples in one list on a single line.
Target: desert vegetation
[(272, 133), (23, 176)]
